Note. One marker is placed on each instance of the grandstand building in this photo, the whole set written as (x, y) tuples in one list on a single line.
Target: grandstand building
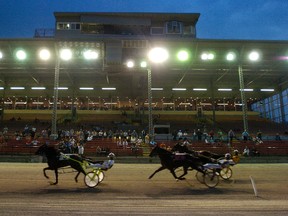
[(103, 72)]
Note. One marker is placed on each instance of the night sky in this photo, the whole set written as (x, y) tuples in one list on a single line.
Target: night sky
[(219, 19)]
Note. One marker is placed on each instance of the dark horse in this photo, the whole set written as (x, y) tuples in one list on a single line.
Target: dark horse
[(54, 161), (171, 162)]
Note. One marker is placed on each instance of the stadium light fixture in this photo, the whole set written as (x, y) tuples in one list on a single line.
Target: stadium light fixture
[(143, 64), (231, 56), (199, 89), (254, 56), (44, 54), (130, 64), (90, 54), (38, 88), (86, 88), (158, 55), (66, 54), (17, 88), (267, 90), (21, 55), (224, 89), (109, 88), (179, 89), (206, 56), (183, 55)]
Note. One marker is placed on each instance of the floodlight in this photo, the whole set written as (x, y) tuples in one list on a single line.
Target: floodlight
[(143, 64), (207, 56), (65, 54), (44, 54), (130, 64), (21, 55), (90, 54), (182, 55), (231, 56), (1, 55), (158, 55), (254, 56)]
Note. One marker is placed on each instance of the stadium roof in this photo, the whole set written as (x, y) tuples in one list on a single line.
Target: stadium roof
[(270, 72)]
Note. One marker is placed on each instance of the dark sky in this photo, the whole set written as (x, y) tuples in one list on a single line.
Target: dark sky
[(219, 19)]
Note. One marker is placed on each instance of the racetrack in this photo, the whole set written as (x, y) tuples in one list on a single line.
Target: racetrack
[(127, 191)]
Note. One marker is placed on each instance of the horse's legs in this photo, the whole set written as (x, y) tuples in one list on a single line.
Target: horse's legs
[(76, 177), (44, 172), (185, 169), (56, 174), (158, 170), (56, 177)]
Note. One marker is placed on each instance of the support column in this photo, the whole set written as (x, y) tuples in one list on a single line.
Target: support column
[(54, 133), (150, 120), (243, 98)]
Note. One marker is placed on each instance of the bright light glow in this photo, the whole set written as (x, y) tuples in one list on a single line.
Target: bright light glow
[(158, 55), (21, 55), (143, 64), (207, 56), (179, 89), (199, 89), (90, 54), (254, 56), (230, 56), (1, 55), (130, 64), (86, 88), (247, 90), (38, 88), (157, 89), (267, 90), (62, 88), (183, 55), (224, 89), (1, 88), (109, 88), (17, 88), (65, 54), (44, 54)]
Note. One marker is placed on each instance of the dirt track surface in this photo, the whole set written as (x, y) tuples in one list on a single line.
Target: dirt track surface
[(127, 191)]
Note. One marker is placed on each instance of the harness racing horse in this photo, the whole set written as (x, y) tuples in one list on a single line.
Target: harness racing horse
[(169, 161), (55, 162)]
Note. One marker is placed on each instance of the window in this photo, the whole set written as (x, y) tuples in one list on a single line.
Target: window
[(68, 26), (173, 27), (157, 30)]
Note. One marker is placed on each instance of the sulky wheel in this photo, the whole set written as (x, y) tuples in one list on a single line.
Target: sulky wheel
[(101, 175), (200, 177), (91, 179), (226, 173), (211, 179)]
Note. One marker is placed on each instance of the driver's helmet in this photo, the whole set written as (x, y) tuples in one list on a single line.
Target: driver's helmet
[(111, 155), (227, 156)]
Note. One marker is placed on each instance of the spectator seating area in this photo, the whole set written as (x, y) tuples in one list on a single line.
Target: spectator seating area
[(107, 145)]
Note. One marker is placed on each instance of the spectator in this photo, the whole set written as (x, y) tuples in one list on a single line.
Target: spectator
[(246, 151), (259, 134), (245, 135), (231, 135), (277, 137)]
